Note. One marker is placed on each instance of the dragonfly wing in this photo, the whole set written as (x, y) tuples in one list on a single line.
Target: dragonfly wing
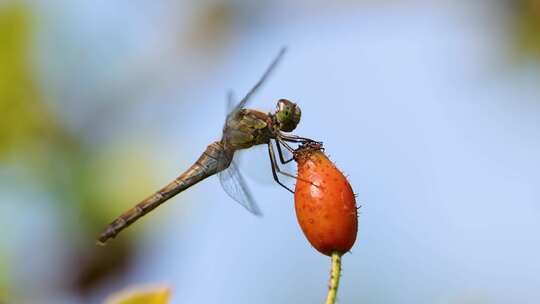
[(254, 89), (234, 185), (230, 102), (231, 107)]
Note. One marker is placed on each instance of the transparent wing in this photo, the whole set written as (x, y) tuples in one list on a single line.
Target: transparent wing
[(231, 180), (254, 89), (234, 185), (230, 102)]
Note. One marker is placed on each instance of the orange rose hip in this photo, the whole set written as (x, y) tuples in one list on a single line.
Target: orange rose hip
[(324, 201)]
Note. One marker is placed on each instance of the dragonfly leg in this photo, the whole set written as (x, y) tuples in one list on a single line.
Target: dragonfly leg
[(275, 167), (280, 153), (285, 144), (283, 140), (295, 138)]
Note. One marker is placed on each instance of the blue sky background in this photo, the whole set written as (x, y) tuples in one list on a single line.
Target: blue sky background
[(424, 106)]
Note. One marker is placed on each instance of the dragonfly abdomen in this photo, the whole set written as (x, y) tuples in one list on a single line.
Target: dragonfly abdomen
[(213, 160)]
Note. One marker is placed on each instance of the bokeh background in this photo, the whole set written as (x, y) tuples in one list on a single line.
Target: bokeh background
[(431, 107)]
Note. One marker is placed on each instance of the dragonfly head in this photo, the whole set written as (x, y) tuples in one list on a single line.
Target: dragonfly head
[(287, 115)]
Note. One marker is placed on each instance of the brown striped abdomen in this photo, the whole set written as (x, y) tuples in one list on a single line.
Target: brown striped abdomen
[(208, 164)]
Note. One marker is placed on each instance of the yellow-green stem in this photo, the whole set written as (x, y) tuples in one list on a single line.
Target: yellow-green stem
[(335, 273)]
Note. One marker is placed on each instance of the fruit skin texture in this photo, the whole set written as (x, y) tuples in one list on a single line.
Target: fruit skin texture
[(326, 207)]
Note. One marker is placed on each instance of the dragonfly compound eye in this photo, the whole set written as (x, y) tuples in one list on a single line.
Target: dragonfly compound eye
[(288, 115)]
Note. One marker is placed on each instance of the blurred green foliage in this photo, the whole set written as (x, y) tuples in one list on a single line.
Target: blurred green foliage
[(4, 276), (24, 115), (20, 119), (87, 183), (528, 25)]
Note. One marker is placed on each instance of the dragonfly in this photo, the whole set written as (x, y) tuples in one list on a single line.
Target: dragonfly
[(243, 129)]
